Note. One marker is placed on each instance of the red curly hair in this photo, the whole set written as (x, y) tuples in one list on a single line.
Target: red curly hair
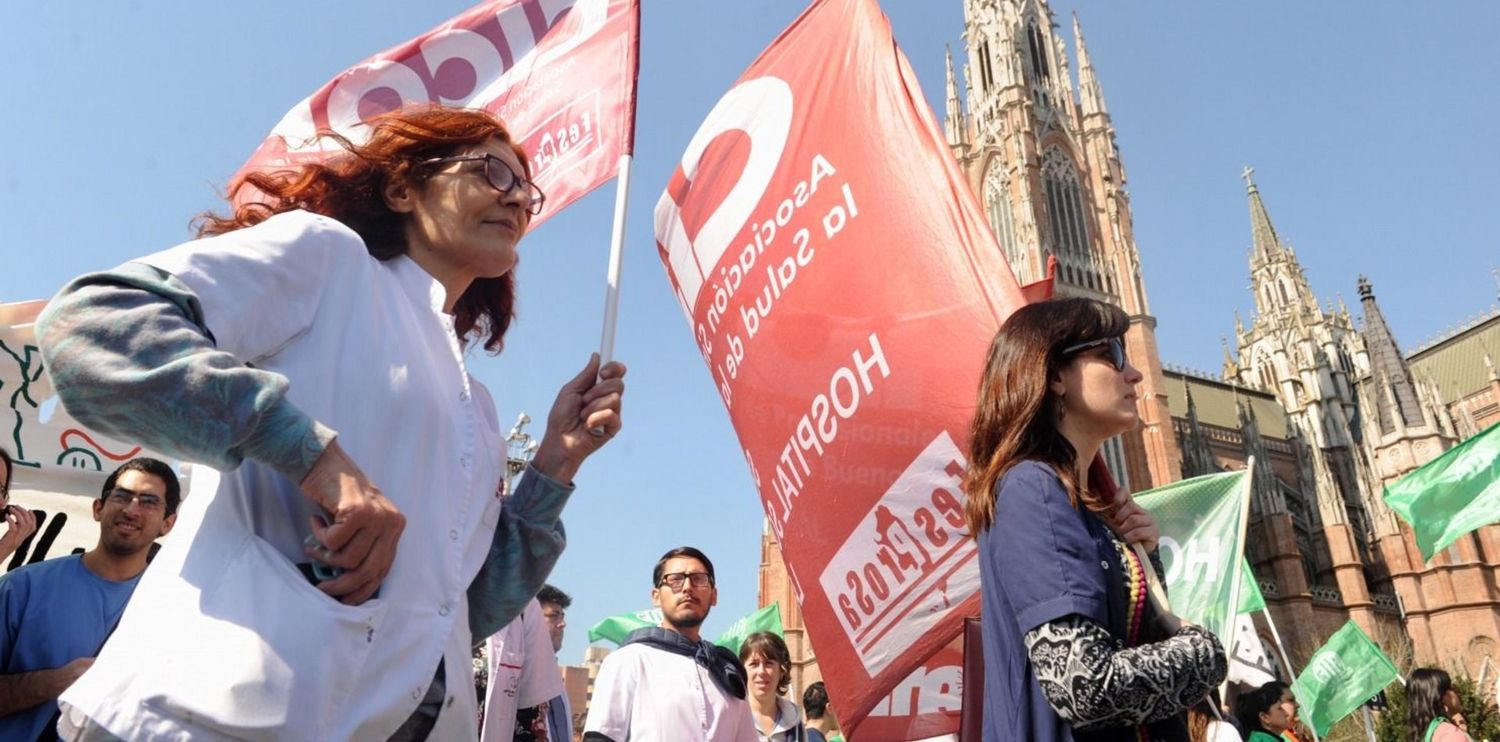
[(351, 188)]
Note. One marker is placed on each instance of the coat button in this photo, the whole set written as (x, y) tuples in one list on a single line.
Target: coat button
[(443, 610)]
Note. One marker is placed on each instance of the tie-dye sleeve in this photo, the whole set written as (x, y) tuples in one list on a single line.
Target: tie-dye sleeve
[(131, 357)]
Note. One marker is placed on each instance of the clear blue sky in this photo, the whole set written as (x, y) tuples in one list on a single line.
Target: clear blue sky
[(1371, 126)]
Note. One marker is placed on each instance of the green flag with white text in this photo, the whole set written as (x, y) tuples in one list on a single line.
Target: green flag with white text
[(765, 619), (1201, 527), (1451, 495), (1344, 673)]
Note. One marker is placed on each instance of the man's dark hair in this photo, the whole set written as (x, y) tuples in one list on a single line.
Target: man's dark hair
[(815, 700), (149, 466), (681, 551), (550, 594)]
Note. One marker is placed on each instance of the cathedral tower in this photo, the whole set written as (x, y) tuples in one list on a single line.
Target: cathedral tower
[(1041, 155)]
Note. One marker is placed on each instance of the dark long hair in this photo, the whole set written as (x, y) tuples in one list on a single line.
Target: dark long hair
[(1016, 415), (1424, 699), (1251, 704), (351, 188)]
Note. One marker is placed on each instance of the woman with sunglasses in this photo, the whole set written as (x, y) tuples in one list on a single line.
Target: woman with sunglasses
[(1072, 647), (332, 569)]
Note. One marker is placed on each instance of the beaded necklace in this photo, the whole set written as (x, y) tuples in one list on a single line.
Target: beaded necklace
[(1135, 608)]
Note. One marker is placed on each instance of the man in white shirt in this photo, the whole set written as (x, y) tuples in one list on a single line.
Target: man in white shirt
[(522, 675), (555, 605), (666, 682)]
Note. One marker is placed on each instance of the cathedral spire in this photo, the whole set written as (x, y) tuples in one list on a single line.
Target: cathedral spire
[(1197, 458), (1394, 392), (1091, 95), (1267, 244), (1264, 488), (953, 121), (1231, 368)]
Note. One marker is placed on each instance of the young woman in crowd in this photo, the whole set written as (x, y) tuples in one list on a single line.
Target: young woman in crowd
[(311, 348), (768, 666), (1431, 705), (1265, 712), (1073, 649)]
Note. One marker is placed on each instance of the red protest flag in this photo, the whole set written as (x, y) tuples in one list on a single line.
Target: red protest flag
[(560, 73), (841, 283)]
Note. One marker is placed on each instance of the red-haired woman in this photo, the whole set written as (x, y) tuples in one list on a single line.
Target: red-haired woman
[(332, 568), (1072, 649)]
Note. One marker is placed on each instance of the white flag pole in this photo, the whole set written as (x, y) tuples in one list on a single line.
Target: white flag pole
[(1286, 659), (616, 259), (1239, 559)]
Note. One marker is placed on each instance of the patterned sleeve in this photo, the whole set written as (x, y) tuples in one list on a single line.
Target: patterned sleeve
[(1094, 684), (527, 542), (130, 356)]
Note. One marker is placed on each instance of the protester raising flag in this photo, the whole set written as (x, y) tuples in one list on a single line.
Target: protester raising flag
[(1344, 673), (1202, 522), (561, 75), (841, 283), (617, 628), (1451, 495)]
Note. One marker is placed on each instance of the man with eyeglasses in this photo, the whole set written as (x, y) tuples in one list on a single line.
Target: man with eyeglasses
[(56, 614), (666, 682)]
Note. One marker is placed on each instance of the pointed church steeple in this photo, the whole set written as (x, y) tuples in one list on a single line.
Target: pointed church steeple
[(1394, 391), (1091, 96), (1197, 458), (953, 121), (1267, 244), (1265, 491)]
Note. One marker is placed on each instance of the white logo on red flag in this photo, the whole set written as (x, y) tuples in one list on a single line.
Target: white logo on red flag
[(840, 282), (560, 74)]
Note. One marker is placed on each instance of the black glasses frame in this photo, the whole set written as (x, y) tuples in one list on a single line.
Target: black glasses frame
[(684, 579), (124, 497), (1116, 350), (501, 177)]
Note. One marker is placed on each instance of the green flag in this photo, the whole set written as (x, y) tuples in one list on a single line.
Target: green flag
[(616, 628), (765, 619), (1250, 597), (1344, 673), (1451, 495), (1200, 522)]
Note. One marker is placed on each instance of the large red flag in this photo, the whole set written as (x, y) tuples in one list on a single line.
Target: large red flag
[(842, 286), (560, 73)]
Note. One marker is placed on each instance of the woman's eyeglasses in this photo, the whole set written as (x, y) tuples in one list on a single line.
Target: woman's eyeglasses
[(501, 178), (1116, 350)]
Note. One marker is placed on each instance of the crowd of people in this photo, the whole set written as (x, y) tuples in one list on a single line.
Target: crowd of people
[(322, 323)]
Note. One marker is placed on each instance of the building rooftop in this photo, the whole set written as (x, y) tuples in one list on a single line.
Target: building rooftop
[(1216, 398), (1455, 361)]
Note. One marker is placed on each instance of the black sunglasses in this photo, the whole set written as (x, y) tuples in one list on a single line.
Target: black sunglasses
[(1116, 350), (501, 178)]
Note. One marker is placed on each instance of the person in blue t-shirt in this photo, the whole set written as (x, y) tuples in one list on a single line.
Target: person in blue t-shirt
[(56, 614), (1073, 649)]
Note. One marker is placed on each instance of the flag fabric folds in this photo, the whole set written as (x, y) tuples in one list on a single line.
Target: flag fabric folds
[(617, 628), (1202, 527), (561, 74), (1346, 671), (1250, 598), (840, 281), (765, 619), (1451, 495)]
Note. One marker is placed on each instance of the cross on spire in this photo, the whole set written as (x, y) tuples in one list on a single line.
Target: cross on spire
[(1246, 173)]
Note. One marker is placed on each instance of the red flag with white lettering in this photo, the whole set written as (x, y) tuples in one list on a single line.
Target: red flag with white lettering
[(560, 73), (841, 283)]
